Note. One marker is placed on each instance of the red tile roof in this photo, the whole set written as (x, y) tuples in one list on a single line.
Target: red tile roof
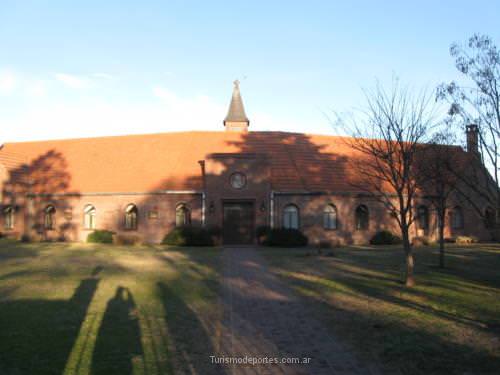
[(151, 162)]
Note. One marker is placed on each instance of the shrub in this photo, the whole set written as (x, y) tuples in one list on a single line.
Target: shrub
[(385, 237), (324, 244), (100, 236), (62, 238), (188, 236), (215, 233), (25, 238), (262, 233), (325, 247), (466, 240), (127, 239), (286, 238)]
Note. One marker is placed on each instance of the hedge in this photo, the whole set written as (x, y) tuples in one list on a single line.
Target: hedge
[(385, 237), (188, 236), (282, 237), (100, 236)]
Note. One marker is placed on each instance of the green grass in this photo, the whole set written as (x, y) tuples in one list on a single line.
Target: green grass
[(448, 324), (100, 309)]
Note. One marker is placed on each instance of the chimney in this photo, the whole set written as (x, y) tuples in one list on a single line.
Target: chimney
[(236, 119), (472, 132)]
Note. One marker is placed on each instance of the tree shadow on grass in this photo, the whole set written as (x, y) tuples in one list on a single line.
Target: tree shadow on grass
[(118, 342), (15, 274), (402, 347), (188, 338), (15, 251), (37, 335), (362, 281), (477, 273)]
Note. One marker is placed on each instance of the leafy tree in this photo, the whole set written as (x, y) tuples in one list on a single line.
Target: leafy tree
[(478, 102)]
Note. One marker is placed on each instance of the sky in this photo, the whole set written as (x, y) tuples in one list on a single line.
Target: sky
[(97, 68)]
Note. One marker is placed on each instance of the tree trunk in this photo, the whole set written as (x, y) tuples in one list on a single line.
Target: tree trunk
[(441, 244), (409, 279), (496, 224)]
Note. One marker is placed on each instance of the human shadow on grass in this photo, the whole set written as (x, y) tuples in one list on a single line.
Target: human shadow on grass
[(118, 342), (37, 335), (190, 342)]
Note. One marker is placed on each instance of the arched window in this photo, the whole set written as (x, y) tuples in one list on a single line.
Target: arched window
[(89, 217), (362, 217), (49, 217), (457, 218), (291, 217), (8, 217), (182, 215), (423, 217), (131, 214), (330, 217), (489, 218)]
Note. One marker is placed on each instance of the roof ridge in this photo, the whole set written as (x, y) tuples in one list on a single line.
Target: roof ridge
[(114, 136), (160, 134)]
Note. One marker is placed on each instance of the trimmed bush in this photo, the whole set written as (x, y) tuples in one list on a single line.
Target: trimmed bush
[(385, 237), (215, 233), (25, 238), (100, 236), (62, 238), (285, 238), (325, 244), (188, 236), (262, 233)]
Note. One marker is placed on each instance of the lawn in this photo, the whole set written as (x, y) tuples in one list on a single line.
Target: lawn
[(448, 324), (96, 309)]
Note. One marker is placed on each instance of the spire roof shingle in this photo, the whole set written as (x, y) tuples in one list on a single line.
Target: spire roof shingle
[(236, 111)]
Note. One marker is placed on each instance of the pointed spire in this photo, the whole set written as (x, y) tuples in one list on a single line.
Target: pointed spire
[(236, 118)]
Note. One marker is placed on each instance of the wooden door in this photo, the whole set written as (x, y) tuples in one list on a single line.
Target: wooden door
[(238, 223)]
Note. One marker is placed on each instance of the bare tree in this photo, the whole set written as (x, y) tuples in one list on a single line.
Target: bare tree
[(479, 103), (387, 134), (437, 174)]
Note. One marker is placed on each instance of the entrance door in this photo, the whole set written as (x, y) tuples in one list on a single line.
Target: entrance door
[(238, 223)]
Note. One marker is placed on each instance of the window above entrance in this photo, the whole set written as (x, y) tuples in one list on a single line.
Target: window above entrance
[(238, 180)]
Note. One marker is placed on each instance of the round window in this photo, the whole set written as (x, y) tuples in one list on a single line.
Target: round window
[(238, 180)]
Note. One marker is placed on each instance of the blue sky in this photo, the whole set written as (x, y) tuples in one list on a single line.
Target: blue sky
[(119, 67)]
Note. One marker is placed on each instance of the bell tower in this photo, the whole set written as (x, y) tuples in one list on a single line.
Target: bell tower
[(236, 119)]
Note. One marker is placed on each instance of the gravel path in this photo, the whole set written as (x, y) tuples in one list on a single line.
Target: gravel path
[(263, 319)]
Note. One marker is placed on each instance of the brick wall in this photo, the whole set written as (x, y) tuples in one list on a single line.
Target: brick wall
[(156, 212), (156, 215)]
